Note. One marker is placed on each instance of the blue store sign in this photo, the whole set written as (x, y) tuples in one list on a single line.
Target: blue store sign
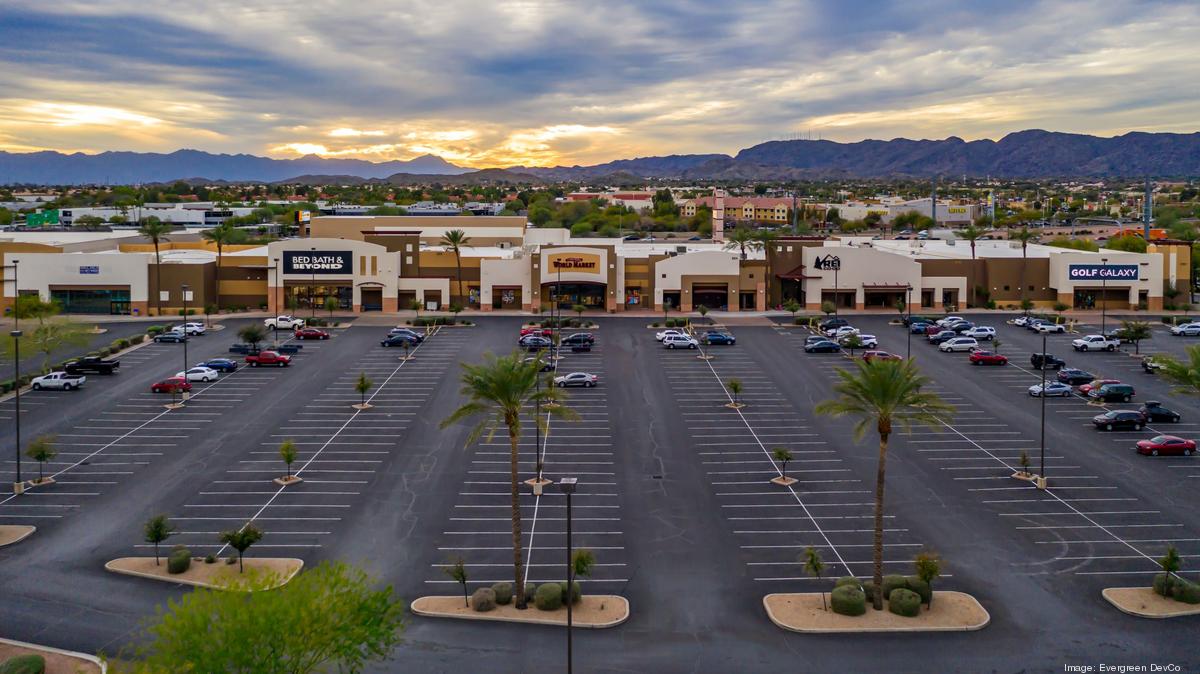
[(1098, 272)]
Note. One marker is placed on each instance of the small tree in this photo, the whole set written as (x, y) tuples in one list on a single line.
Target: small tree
[(1026, 306), (814, 567), (996, 344), (158, 529), (828, 307), (900, 305), (406, 344), (241, 540), (331, 305), (287, 452), (667, 305), (852, 342), (928, 567), (458, 571), (41, 449), (1170, 563), (735, 389), (209, 310), (579, 309), (782, 455), (792, 306), (456, 309), (702, 310), (416, 306), (1136, 331), (582, 560), (364, 384), (1023, 459), (252, 334)]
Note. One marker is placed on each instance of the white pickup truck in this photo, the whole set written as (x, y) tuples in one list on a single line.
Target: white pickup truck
[(284, 323), (60, 381), (1095, 343)]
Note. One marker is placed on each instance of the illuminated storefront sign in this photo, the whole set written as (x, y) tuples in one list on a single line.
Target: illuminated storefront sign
[(586, 263), (319, 262), (1097, 272)]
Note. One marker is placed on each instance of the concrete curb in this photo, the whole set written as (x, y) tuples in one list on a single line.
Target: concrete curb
[(842, 630), (49, 649), (30, 529), (178, 579), (554, 619), (1110, 595)]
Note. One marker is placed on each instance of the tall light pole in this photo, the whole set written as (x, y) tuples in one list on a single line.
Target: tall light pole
[(1103, 295), (1042, 471), (16, 335), (275, 322), (312, 286), (837, 296), (187, 290), (908, 305), (567, 485)]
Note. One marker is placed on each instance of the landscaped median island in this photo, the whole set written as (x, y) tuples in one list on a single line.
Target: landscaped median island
[(1170, 596), (15, 533), (18, 656), (595, 611), (948, 612), (216, 575)]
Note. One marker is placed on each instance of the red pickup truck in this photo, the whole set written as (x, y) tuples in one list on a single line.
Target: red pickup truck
[(268, 358)]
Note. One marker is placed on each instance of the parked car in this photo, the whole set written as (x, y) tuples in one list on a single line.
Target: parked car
[(409, 332), (958, 344), (190, 328), (1117, 419), (311, 333), (680, 342), (1149, 365), (961, 327), (1112, 393), (199, 373), (663, 334), (879, 355), (981, 332), (58, 381), (171, 336), (823, 346), (1047, 327), (1046, 361), (813, 339), (934, 328), (528, 342), (576, 379), (1186, 330), (1074, 377), (171, 385), (1095, 384), (942, 337), (1166, 445), (220, 364), (1095, 343), (864, 341), (1153, 410), (268, 358), (535, 330), (920, 328), (949, 319), (988, 358), (242, 348), (579, 338), (909, 320), (1021, 320), (1032, 324), (543, 364), (831, 323), (840, 332), (92, 365), (284, 323), (713, 337), (402, 339), (1053, 388)]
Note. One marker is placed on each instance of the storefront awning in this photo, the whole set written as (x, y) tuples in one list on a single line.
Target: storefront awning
[(796, 274)]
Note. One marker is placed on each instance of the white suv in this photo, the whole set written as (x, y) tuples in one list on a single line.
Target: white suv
[(959, 344), (1050, 327), (680, 342), (1186, 329), (982, 332), (190, 328)]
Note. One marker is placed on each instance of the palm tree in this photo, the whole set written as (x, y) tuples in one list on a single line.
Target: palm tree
[(735, 389), (158, 529), (1184, 374), (971, 233), (766, 238), (782, 455), (222, 235), (497, 391), (1170, 564), (814, 567), (742, 239), (455, 239), (883, 393), (1024, 236), (156, 230)]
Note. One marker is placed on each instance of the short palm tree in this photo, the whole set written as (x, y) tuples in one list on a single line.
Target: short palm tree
[(971, 234), (455, 240), (735, 389), (814, 567), (1170, 563), (156, 230), (743, 239), (363, 384), (782, 455), (222, 235), (497, 390), (41, 449), (1183, 374), (158, 529), (883, 394)]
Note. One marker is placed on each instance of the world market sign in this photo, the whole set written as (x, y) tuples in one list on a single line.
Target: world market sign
[(1102, 272), (574, 262)]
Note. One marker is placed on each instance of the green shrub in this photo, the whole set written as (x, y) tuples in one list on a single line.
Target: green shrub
[(137, 339), (179, 560), (548, 597), (483, 599), (210, 559), (904, 602), (1061, 306), (104, 351), (848, 580), (576, 591), (799, 321), (1163, 584), (154, 330), (530, 592), (891, 582), (24, 664), (231, 560), (654, 324), (848, 600), (869, 590), (504, 593), (921, 588), (1186, 592)]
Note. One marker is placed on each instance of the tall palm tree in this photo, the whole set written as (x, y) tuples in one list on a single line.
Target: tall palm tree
[(742, 239), (883, 393), (222, 235), (156, 230), (455, 239), (766, 239), (1024, 236), (971, 233), (497, 390)]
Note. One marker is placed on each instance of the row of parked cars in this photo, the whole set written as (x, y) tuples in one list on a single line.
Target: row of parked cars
[(539, 339), (678, 339)]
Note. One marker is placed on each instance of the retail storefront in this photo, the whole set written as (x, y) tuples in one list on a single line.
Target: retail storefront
[(576, 275), (86, 283), (357, 275)]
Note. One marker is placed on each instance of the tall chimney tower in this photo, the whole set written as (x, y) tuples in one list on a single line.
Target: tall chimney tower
[(718, 215)]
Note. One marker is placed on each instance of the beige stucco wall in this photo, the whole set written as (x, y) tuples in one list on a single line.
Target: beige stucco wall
[(1150, 274), (39, 271), (549, 274), (386, 269), (513, 272), (859, 266), (669, 273)]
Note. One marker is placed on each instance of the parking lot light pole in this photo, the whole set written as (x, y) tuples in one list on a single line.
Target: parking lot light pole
[(312, 285), (1042, 470), (1103, 295), (567, 485), (837, 297), (908, 305), (16, 335), (186, 289), (275, 323)]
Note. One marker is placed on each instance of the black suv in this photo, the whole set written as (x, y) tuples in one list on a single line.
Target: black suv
[(1073, 377), (1116, 419), (831, 323), (1154, 411), (1046, 361)]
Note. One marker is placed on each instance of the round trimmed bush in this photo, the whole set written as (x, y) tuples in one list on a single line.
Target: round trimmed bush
[(848, 600), (1162, 584), (548, 597), (576, 592), (1186, 592), (904, 602), (892, 582), (483, 599), (504, 593), (847, 580), (179, 560), (24, 664), (869, 590), (921, 588)]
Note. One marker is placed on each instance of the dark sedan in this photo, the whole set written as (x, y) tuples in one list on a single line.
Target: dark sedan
[(171, 337), (1118, 419), (579, 339), (398, 340), (718, 338), (1075, 377), (824, 346), (535, 343), (1154, 411), (219, 364)]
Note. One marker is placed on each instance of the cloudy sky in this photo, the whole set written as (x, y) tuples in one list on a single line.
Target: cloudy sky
[(544, 82)]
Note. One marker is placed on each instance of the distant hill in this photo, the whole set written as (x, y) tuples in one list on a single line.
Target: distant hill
[(671, 166), (492, 176)]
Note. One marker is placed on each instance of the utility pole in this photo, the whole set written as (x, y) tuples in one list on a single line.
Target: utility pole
[(1147, 211), (933, 203)]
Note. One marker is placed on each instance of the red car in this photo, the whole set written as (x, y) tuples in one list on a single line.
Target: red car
[(1095, 384), (933, 329), (879, 355), (268, 358), (987, 358), (311, 333), (171, 385), (1166, 445), (544, 332)]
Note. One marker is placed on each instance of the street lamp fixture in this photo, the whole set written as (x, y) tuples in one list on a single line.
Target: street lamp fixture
[(908, 305), (567, 485), (1042, 471), (275, 323), (18, 484), (1103, 296)]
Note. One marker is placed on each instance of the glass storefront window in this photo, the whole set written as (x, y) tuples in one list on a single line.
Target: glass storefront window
[(98, 301), (297, 297)]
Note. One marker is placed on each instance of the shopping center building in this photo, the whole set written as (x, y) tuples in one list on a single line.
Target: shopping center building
[(391, 263)]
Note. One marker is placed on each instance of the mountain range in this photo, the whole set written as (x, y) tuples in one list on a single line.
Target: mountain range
[(1023, 154)]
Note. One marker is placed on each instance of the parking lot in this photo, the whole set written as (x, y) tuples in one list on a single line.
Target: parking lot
[(674, 494)]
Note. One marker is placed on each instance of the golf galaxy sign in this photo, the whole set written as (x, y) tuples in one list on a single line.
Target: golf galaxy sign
[(319, 262), (1100, 272)]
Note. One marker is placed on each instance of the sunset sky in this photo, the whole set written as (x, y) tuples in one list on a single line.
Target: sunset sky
[(537, 82)]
